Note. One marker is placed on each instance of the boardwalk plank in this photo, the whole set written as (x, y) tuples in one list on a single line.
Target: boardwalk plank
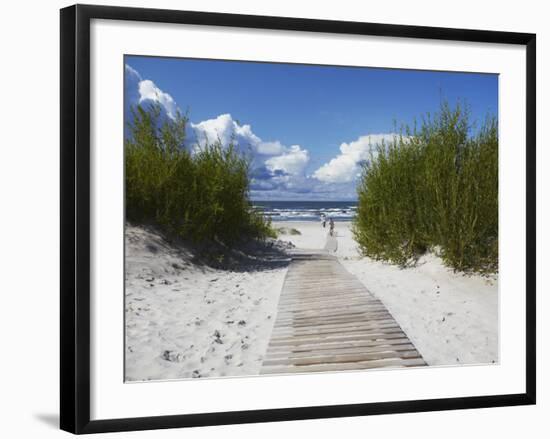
[(337, 350), (328, 321), (343, 358), (319, 347), (356, 365)]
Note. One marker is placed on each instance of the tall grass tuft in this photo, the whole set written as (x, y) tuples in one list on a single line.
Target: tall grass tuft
[(433, 187), (200, 195)]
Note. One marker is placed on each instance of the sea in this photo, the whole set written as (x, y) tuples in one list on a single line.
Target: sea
[(307, 210)]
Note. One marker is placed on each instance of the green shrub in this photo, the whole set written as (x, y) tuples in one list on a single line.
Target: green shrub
[(200, 195), (433, 187)]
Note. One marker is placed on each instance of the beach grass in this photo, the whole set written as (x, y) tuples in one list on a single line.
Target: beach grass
[(200, 193), (433, 187)]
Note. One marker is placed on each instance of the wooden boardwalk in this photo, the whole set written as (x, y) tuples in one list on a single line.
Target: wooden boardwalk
[(328, 321)]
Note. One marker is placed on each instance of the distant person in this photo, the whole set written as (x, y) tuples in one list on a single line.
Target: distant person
[(331, 224), (324, 220)]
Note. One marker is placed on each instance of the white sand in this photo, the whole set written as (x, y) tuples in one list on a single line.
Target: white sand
[(185, 320), (450, 317), (312, 235)]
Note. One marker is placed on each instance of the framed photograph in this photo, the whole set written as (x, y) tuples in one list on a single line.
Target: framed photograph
[(273, 218)]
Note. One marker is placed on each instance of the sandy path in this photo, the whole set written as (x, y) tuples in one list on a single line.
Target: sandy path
[(331, 244)]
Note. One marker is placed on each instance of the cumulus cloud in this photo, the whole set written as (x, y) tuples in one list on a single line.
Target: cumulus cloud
[(270, 159), (346, 166), (145, 92), (278, 171), (131, 88), (270, 148), (224, 128), (293, 161), (274, 165), (148, 91)]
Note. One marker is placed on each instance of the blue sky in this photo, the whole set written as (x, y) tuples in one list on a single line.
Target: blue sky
[(292, 111)]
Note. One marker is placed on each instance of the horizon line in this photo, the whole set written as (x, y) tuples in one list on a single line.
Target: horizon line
[(340, 201)]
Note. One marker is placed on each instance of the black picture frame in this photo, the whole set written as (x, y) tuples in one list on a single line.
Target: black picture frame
[(75, 218)]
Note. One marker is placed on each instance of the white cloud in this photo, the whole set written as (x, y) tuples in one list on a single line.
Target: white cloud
[(133, 78), (140, 91), (149, 91), (131, 88), (293, 161), (224, 127), (279, 170), (345, 167), (274, 155), (277, 167), (271, 148)]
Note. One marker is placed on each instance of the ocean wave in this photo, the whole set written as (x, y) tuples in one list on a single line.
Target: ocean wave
[(309, 215)]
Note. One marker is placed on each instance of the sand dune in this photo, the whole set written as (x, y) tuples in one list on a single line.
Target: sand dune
[(187, 320)]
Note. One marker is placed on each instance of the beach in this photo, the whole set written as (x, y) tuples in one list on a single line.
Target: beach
[(188, 320), (452, 318)]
